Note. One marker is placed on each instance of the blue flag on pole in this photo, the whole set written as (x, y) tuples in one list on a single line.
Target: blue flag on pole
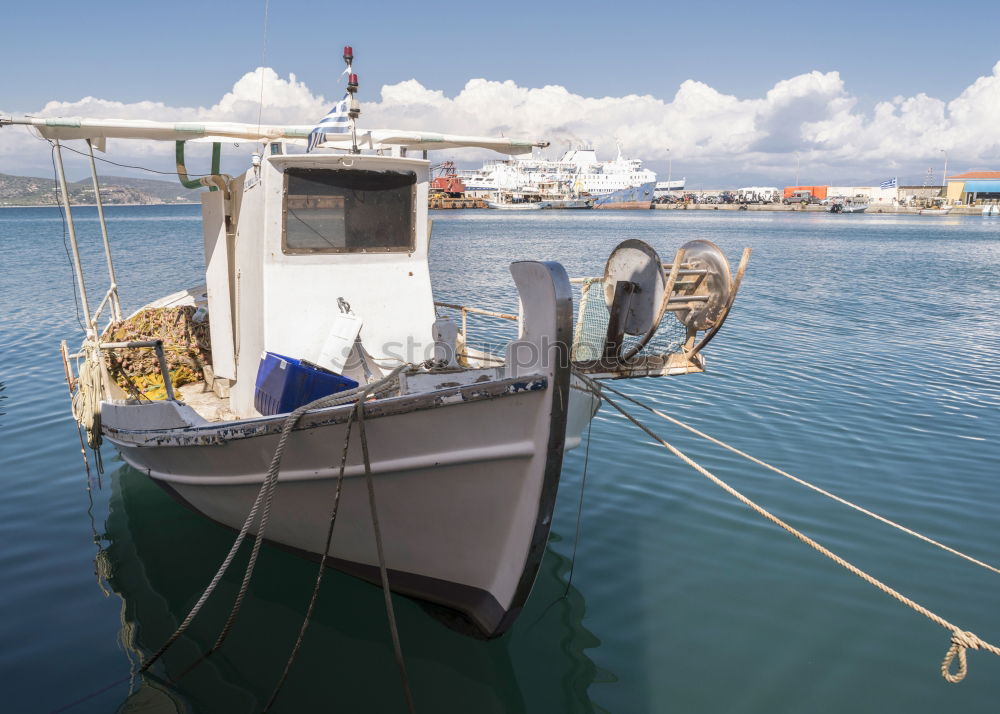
[(335, 122), (890, 183)]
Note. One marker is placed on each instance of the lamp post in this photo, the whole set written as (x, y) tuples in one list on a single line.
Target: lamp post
[(670, 171), (944, 176)]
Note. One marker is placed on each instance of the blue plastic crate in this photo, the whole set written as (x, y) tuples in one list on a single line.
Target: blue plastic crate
[(284, 384)]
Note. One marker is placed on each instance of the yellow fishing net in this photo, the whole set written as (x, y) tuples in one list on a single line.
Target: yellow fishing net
[(186, 345)]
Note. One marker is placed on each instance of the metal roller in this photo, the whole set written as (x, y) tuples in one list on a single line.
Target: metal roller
[(699, 301), (637, 266)]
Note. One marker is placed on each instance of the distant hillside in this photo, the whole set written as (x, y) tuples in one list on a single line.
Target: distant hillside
[(31, 191)]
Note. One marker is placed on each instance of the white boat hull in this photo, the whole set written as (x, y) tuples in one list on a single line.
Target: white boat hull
[(465, 476), (847, 207), (569, 203), (537, 205), (451, 486)]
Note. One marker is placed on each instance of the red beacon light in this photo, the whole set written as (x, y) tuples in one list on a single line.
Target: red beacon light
[(348, 52)]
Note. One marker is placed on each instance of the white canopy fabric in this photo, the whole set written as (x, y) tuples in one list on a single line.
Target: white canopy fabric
[(66, 128), (384, 138)]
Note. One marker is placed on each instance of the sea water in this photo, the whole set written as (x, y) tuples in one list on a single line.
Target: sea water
[(863, 354)]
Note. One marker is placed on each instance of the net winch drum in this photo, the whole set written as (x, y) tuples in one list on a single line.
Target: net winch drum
[(638, 264), (639, 290), (711, 289)]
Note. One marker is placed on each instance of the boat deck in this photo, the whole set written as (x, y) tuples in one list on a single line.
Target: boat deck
[(210, 406)]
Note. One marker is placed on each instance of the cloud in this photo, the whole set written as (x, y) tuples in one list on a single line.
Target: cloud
[(703, 131), (259, 94)]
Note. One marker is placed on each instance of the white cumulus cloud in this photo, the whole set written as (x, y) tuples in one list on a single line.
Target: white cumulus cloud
[(810, 120)]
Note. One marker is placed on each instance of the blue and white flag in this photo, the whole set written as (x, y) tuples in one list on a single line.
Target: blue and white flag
[(336, 122), (891, 183)]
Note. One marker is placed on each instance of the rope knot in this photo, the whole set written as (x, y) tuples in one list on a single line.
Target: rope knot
[(961, 641), (969, 640)]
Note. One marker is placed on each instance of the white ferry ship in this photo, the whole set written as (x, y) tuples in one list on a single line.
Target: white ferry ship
[(578, 169)]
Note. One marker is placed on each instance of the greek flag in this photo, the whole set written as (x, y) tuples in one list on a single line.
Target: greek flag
[(336, 122), (891, 183)]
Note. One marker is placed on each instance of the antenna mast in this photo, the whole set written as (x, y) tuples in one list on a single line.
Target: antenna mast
[(354, 111)]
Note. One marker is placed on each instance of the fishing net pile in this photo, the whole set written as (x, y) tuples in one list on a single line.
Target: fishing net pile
[(186, 346)]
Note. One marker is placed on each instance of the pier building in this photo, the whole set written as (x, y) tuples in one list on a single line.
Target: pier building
[(973, 186)]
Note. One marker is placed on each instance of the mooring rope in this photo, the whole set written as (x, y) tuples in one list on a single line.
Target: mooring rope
[(379, 387), (802, 482), (579, 508), (357, 414), (961, 640), (383, 571), (322, 568), (264, 495)]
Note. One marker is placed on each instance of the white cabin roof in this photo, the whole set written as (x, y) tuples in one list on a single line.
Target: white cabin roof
[(67, 128)]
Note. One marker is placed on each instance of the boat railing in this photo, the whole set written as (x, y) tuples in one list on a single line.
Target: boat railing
[(466, 310), (484, 333)]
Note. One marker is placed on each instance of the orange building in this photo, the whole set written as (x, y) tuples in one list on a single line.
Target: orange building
[(817, 191)]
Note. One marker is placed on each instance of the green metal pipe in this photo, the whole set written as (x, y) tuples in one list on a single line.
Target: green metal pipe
[(182, 173), (216, 157)]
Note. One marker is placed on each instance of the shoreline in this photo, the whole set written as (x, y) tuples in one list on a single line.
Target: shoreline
[(778, 207), (773, 208), (105, 205)]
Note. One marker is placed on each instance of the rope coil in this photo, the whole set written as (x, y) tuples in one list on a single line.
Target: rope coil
[(87, 401)]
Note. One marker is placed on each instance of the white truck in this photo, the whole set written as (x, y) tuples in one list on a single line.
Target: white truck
[(757, 194)]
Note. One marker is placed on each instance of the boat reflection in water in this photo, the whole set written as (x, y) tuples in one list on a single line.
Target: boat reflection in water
[(346, 660)]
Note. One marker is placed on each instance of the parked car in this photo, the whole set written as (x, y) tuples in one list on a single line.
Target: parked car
[(803, 197)]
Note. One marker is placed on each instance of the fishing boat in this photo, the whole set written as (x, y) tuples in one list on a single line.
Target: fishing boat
[(848, 205), (936, 207), (505, 203), (564, 195), (635, 197), (326, 385), (569, 203)]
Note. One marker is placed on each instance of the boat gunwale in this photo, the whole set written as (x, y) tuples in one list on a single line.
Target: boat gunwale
[(220, 433)]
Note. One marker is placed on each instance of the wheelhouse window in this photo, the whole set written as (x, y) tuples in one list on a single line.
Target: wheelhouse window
[(348, 211)]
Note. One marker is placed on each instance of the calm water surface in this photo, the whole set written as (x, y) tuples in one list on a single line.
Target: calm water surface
[(863, 355)]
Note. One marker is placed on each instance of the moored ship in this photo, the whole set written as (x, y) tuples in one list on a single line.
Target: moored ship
[(579, 168), (635, 197)]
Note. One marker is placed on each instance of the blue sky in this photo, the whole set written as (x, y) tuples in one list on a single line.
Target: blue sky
[(188, 54)]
